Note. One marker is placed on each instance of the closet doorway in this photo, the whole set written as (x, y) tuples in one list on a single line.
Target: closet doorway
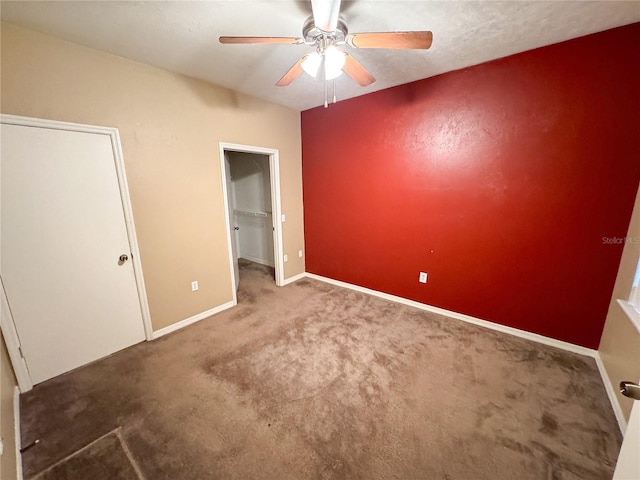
[(251, 190)]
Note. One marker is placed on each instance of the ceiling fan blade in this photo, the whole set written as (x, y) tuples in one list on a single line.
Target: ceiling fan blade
[(270, 40), (417, 40), (355, 70), (325, 14), (293, 73)]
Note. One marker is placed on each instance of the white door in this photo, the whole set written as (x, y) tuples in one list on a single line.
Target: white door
[(628, 466), (232, 225), (63, 231)]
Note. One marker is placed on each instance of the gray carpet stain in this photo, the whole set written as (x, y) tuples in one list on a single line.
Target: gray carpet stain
[(312, 381), (549, 424)]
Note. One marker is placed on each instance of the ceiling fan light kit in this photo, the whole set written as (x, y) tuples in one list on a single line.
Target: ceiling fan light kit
[(311, 64), (326, 31)]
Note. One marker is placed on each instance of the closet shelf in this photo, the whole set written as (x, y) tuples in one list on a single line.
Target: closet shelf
[(252, 213)]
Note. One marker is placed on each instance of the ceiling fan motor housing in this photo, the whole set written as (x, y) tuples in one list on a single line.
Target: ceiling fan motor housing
[(312, 34)]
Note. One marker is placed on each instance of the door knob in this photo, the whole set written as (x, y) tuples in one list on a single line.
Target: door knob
[(123, 258), (630, 389)]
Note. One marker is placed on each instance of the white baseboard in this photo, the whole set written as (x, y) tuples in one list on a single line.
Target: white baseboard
[(611, 393), (257, 260), (294, 278), (16, 426), (465, 318), (190, 320)]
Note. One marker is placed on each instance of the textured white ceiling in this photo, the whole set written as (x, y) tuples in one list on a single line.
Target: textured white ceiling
[(183, 36)]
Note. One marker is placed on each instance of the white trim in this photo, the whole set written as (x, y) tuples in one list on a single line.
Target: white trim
[(114, 135), (276, 206), (12, 341), (16, 426), (227, 223), (611, 393), (294, 278), (631, 312), (589, 352), (54, 124), (188, 321), (131, 233)]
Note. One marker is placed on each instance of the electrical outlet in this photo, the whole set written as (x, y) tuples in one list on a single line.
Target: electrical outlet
[(300, 253), (286, 257), (194, 285), (423, 277), (284, 217)]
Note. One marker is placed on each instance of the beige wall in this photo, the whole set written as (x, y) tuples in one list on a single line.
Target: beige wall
[(620, 342), (170, 126), (7, 430)]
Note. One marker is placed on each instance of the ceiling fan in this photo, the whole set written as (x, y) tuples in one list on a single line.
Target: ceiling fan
[(326, 30)]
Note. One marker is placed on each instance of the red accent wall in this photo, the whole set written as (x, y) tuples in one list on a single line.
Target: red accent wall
[(499, 180)]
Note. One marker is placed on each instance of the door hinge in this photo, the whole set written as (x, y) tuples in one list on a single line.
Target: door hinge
[(20, 350)]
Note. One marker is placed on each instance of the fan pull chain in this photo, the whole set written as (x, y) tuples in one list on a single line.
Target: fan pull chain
[(334, 91), (326, 104)]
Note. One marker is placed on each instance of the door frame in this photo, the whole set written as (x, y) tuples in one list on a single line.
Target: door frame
[(628, 464), (276, 206), (6, 324)]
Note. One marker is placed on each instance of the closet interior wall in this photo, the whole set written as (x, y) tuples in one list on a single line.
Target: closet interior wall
[(251, 199)]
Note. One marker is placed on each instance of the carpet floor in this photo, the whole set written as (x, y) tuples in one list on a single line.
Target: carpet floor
[(313, 381), (106, 458)]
